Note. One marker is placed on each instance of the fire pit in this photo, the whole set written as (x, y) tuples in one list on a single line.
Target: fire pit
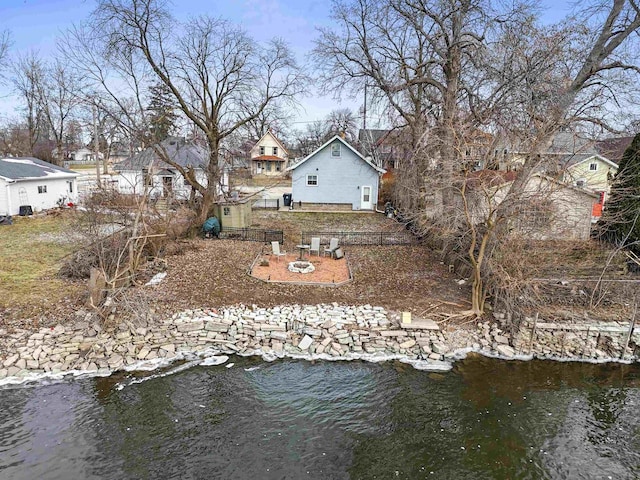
[(301, 267)]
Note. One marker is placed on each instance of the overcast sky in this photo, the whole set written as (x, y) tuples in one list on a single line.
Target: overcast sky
[(35, 24)]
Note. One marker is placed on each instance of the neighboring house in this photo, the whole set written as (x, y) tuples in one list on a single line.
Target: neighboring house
[(510, 155), (371, 141), (81, 155), (34, 183), (146, 171), (548, 210), (269, 156), (585, 170), (336, 174)]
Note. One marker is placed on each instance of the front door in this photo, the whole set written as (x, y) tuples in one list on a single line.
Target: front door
[(167, 186), (365, 203)]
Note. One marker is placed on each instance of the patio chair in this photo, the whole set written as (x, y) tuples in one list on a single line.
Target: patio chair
[(275, 250), (333, 246), (315, 245)]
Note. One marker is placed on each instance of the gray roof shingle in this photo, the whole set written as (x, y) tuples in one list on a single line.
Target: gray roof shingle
[(178, 151), (20, 168)]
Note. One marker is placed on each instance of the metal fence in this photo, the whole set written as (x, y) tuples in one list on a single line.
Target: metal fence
[(266, 203), (402, 237), (252, 234)]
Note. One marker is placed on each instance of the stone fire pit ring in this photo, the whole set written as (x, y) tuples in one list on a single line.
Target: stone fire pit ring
[(301, 266)]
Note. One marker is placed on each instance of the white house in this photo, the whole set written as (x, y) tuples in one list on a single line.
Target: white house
[(269, 156), (147, 171), (30, 182), (336, 175)]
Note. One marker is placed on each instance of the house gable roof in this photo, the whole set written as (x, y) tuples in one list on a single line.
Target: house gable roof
[(341, 140), (276, 139), (183, 153), (25, 168), (572, 160)]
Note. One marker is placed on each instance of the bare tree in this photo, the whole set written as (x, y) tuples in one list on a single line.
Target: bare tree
[(221, 79), (28, 76), (342, 121), (5, 43)]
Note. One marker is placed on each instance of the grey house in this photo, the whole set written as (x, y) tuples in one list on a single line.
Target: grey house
[(336, 175)]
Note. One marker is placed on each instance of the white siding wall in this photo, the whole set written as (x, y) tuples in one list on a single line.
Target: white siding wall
[(130, 182), (57, 188)]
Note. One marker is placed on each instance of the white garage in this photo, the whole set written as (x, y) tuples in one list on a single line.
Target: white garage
[(30, 182)]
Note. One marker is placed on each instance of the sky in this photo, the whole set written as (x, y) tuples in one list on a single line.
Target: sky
[(35, 24)]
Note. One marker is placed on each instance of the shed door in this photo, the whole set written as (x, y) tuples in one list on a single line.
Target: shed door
[(365, 203)]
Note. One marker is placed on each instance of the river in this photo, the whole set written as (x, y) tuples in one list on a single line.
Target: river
[(293, 419)]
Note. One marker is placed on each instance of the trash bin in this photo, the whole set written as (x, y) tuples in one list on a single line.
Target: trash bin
[(25, 210), (286, 199)]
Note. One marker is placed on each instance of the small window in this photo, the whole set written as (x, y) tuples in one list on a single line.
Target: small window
[(275, 151), (226, 211), (42, 189), (278, 167), (593, 167), (312, 180), (335, 149), (261, 150), (70, 184), (581, 182)]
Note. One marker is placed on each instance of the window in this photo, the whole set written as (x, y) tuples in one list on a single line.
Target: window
[(268, 166), (42, 189), (278, 166), (261, 150), (226, 211), (312, 180), (275, 151), (335, 149), (70, 184), (593, 167), (581, 182)]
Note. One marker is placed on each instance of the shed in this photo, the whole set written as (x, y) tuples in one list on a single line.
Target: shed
[(234, 214)]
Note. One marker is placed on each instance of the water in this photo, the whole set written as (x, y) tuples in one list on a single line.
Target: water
[(290, 419)]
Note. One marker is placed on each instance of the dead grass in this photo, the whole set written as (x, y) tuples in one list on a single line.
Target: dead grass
[(30, 255), (214, 272)]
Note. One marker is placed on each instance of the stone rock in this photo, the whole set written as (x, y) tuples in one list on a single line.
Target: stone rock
[(190, 326), (11, 360), (32, 364), (21, 364), (142, 354), (439, 348), (305, 343), (506, 351), (408, 344), (501, 339), (169, 348)]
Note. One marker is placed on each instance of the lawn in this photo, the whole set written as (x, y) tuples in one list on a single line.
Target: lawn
[(30, 255)]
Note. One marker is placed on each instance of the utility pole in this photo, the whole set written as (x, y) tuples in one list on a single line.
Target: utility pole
[(96, 145), (364, 110)]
